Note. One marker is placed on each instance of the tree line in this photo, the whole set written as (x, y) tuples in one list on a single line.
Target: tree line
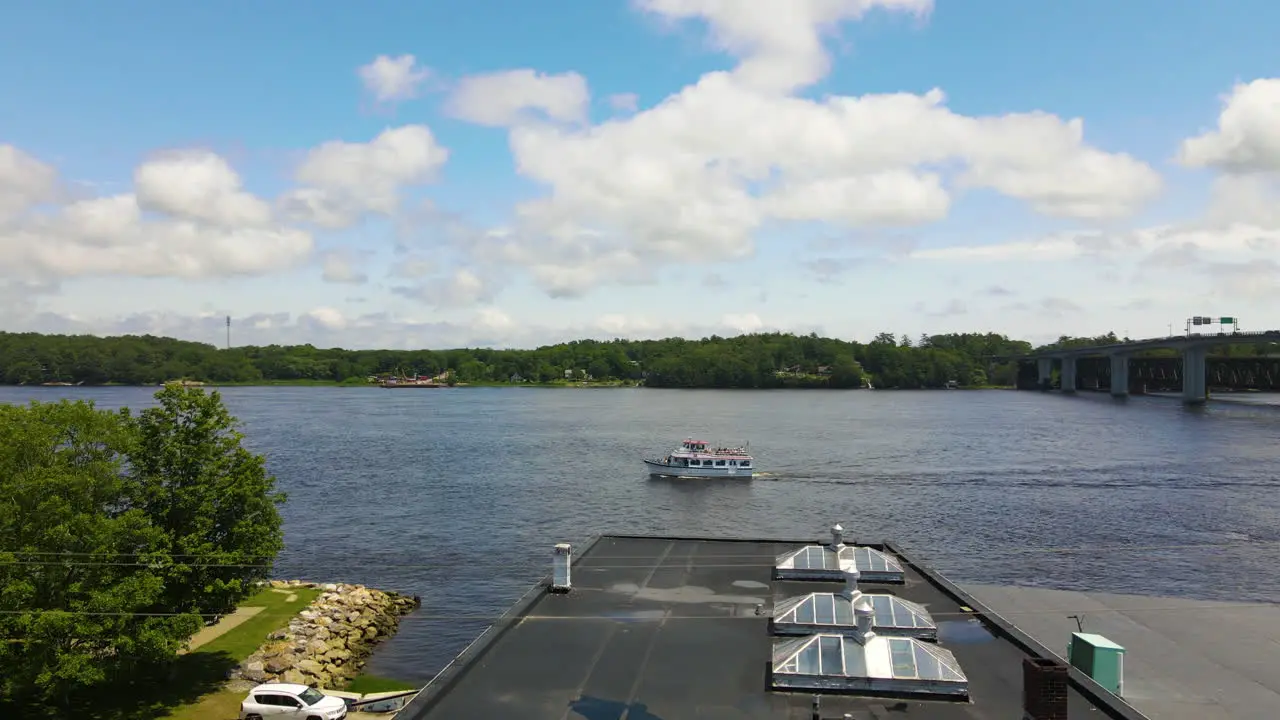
[(120, 535), (765, 360)]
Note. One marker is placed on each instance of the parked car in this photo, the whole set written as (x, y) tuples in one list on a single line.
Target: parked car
[(278, 701)]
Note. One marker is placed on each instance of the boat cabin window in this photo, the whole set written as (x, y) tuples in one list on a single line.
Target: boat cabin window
[(745, 463), (720, 463)]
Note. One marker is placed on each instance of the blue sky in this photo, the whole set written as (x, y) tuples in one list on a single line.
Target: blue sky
[(639, 168)]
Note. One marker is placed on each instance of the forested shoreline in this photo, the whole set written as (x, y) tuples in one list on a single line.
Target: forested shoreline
[(772, 360)]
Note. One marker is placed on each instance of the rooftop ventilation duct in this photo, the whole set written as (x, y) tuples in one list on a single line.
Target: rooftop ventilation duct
[(561, 559), (864, 617), (837, 536), (851, 591)]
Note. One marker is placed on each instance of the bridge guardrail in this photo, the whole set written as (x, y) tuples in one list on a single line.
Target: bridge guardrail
[(1146, 341)]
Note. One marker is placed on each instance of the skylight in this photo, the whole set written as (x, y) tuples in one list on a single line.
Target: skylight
[(833, 612), (872, 665), (827, 562)]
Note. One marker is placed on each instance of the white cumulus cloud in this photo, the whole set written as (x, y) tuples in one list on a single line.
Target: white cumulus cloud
[(198, 185), (1247, 138), (393, 78), (689, 177), (462, 288), (186, 217), (779, 41), (506, 98), (25, 182), (342, 181)]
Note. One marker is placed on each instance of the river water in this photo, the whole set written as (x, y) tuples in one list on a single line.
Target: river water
[(457, 495)]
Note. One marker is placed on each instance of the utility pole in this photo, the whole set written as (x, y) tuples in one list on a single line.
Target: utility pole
[(228, 332), (1170, 329)]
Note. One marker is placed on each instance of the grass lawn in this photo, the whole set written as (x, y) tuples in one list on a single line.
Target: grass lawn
[(231, 648), (366, 684), (240, 641), (221, 705), (189, 688)]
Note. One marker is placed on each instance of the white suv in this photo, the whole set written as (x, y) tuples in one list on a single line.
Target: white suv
[(286, 700)]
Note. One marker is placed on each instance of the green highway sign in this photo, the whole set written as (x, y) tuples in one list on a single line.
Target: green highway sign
[(1226, 321)]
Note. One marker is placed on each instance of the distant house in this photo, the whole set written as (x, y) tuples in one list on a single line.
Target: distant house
[(568, 374), (824, 369), (517, 378)]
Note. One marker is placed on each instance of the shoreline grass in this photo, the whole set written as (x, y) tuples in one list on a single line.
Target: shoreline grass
[(233, 647)]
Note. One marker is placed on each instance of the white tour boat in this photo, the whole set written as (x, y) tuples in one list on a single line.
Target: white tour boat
[(696, 458)]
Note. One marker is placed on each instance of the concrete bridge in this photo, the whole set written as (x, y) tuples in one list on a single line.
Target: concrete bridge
[(1193, 348)]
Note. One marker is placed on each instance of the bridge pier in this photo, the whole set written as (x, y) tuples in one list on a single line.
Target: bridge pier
[(1194, 376), (1044, 370), (1119, 375), (1069, 374)]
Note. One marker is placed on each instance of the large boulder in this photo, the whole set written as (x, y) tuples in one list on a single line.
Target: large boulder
[(278, 664), (254, 670)]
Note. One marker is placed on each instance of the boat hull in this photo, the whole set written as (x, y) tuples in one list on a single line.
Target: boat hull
[(659, 468)]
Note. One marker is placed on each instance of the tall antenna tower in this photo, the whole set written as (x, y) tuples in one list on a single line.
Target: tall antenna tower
[(228, 332)]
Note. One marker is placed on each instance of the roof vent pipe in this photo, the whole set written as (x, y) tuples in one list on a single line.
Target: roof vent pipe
[(864, 615), (851, 591), (837, 536), (561, 558)]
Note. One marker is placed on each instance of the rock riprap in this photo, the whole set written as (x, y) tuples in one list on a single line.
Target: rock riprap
[(328, 643)]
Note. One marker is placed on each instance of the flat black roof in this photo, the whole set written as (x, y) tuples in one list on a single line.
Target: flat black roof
[(659, 628)]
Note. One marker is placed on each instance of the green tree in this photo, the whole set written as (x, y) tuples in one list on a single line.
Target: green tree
[(78, 561), (846, 373), (599, 369), (212, 498)]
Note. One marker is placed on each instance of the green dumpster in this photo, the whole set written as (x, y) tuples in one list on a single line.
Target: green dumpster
[(1099, 658)]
